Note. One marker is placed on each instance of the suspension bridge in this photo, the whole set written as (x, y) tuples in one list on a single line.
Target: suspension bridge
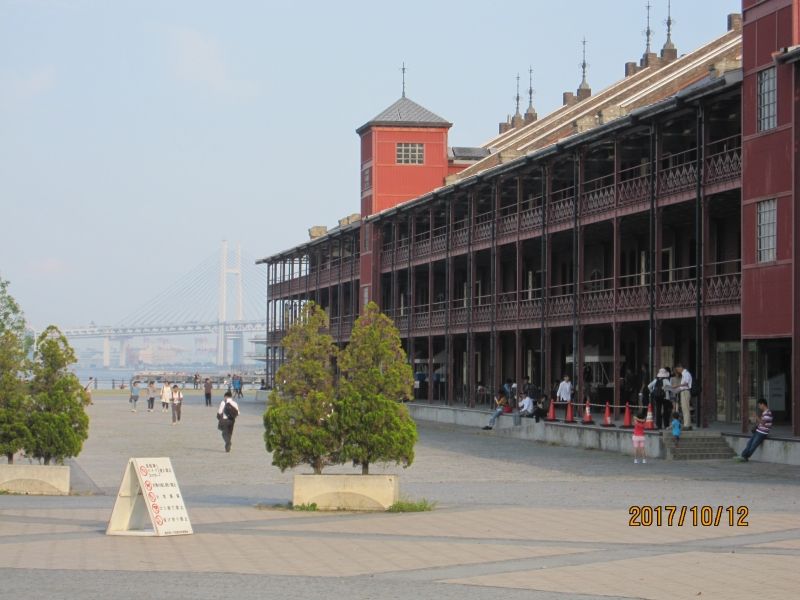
[(223, 296)]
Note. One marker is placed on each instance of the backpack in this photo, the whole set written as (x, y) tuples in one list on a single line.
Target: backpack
[(230, 411), (658, 393)]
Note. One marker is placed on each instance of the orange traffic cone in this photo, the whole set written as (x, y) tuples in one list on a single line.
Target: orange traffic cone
[(569, 418), (648, 423), (551, 412), (587, 415), (626, 421), (607, 417)]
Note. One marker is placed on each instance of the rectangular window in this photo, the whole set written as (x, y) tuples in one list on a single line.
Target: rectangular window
[(410, 154), (366, 179), (767, 230), (767, 100)]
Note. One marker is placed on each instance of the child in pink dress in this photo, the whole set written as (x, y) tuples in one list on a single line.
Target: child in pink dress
[(638, 437)]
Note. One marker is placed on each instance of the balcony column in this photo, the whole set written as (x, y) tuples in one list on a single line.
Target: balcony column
[(448, 294), (395, 284), (617, 366), (544, 332), (339, 298), (470, 366), (652, 270), (430, 307), (616, 172), (701, 225), (495, 366), (577, 363), (412, 232)]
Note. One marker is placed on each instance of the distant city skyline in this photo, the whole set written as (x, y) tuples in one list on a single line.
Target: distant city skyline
[(137, 135)]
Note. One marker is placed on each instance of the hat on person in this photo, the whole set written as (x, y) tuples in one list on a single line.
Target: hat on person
[(662, 373)]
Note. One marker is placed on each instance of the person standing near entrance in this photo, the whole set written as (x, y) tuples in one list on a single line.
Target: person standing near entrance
[(176, 398), (685, 395), (226, 415), (564, 392), (207, 388), (760, 432)]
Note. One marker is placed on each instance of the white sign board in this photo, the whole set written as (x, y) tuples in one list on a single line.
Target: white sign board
[(149, 501)]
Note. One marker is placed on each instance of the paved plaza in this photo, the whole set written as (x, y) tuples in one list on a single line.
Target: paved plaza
[(514, 519)]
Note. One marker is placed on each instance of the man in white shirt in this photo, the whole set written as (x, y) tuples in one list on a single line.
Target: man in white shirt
[(685, 395), (564, 392), (526, 407), (226, 415)]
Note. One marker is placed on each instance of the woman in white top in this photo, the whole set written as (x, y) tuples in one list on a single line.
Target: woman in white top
[(177, 400), (166, 396)]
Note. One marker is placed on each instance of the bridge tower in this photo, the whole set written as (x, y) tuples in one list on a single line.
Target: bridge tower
[(222, 332)]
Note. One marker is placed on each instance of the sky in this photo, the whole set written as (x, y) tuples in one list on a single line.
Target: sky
[(136, 135)]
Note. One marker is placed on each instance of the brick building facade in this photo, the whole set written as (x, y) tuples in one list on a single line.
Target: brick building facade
[(616, 235)]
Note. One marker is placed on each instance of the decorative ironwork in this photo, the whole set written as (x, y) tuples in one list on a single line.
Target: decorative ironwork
[(632, 298), (530, 218), (676, 294), (598, 195), (634, 185), (561, 207), (724, 160), (678, 172)]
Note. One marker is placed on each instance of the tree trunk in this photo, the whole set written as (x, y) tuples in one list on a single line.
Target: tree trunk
[(10, 457), (317, 466), (365, 468)]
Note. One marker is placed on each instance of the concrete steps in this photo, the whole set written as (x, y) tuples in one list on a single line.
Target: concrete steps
[(697, 445)]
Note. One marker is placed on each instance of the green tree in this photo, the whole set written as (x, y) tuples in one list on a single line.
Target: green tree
[(58, 421), (374, 424), (14, 345), (298, 422)]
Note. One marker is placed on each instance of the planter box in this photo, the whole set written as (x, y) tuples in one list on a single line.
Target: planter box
[(346, 492), (35, 479)]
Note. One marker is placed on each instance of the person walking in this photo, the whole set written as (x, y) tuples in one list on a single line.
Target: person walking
[(227, 413), (166, 396), (207, 388), (760, 432), (176, 399), (685, 395), (134, 395), (151, 395)]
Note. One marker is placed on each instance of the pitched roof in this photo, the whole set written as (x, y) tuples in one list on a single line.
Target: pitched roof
[(644, 88), (407, 113)]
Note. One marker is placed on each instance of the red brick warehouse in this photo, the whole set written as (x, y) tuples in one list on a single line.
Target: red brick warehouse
[(647, 224)]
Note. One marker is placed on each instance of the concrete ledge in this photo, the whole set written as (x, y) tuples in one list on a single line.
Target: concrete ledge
[(778, 451), (346, 492), (611, 439), (35, 479)]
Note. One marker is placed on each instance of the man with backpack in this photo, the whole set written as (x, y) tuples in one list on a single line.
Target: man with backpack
[(226, 416), (659, 388)]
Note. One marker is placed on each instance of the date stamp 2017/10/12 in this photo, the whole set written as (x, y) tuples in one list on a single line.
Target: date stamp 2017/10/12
[(702, 516)]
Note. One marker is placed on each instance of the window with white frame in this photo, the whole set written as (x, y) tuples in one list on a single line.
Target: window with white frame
[(767, 100), (410, 154), (767, 230)]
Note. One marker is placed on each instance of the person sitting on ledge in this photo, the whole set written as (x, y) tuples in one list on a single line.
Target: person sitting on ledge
[(526, 407), (500, 403)]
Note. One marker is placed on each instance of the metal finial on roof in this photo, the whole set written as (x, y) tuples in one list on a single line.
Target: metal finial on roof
[(668, 43), (584, 65), (403, 69), (530, 87), (517, 97), (648, 32)]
